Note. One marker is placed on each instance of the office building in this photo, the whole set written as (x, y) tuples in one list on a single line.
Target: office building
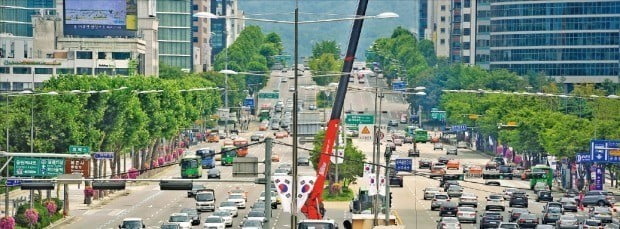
[(574, 41), (224, 31), (15, 15), (483, 33), (462, 31), (201, 34), (175, 33), (434, 24)]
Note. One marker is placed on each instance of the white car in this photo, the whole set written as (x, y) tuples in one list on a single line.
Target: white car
[(229, 206), (291, 89), (226, 215), (252, 224), (131, 223), (215, 222), (274, 197), (256, 215), (239, 199), (182, 219)]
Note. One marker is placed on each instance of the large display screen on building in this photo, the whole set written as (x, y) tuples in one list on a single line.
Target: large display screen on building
[(100, 18)]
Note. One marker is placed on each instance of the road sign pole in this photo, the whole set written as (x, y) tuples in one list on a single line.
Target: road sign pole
[(268, 147)]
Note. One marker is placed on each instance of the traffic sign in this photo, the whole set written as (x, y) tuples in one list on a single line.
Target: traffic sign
[(459, 128), (356, 119), (79, 149), (399, 86), (365, 131), (403, 164), (38, 166), (600, 151), (12, 181), (103, 155), (248, 102), (269, 95), (583, 158)]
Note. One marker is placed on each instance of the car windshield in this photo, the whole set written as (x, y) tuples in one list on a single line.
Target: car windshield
[(454, 188), (213, 171), (228, 204), (510, 190), (178, 218), (467, 209), (130, 224), (169, 226), (256, 214), (221, 213), (602, 210), (509, 225), (235, 196), (528, 216), (204, 196), (237, 191), (568, 217), (593, 223), (554, 210), (252, 223), (190, 211), (495, 197), (519, 210), (213, 220), (450, 220), (441, 197)]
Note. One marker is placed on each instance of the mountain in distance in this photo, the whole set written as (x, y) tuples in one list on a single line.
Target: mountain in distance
[(329, 9)]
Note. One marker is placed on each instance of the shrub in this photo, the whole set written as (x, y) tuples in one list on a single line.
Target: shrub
[(32, 216), (7, 223), (51, 206)]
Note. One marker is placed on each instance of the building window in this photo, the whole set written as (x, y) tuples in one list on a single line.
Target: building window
[(38, 85), (466, 45), (104, 71), (85, 55), (466, 31), (5, 86), (442, 41), (121, 55), (443, 7), (122, 71), (43, 71), (194, 28), (195, 39), (195, 7), (84, 71), (64, 71), (18, 86), (467, 3), (101, 55), (6, 70), (467, 17), (21, 70), (443, 19), (442, 30)]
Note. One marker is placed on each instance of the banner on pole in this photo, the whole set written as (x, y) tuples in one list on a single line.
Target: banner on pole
[(304, 187), (372, 184), (382, 185), (283, 186)]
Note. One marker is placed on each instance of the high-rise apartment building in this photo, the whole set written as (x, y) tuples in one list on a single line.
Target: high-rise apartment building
[(175, 33), (201, 35), (434, 24), (483, 33), (463, 31), (15, 15), (573, 41), (224, 31)]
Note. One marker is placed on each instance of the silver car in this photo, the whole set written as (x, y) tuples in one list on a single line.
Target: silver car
[(467, 214), (438, 200), (455, 191), (601, 213), (430, 192), (567, 221), (468, 199)]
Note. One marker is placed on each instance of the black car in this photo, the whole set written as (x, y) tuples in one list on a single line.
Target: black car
[(448, 209), (395, 180), (505, 171), (452, 151), (195, 189), (213, 173), (544, 196), (490, 221), (443, 160), (193, 214), (425, 164), (255, 138), (413, 153), (569, 204), (303, 161), (518, 199)]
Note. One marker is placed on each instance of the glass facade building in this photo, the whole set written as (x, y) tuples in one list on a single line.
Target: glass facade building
[(423, 18), (573, 40), (175, 33), (15, 15)]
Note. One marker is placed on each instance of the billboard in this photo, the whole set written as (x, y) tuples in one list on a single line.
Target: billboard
[(100, 18)]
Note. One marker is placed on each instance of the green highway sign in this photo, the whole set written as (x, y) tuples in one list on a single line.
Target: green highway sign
[(268, 95), (79, 149), (438, 115), (38, 167), (356, 119)]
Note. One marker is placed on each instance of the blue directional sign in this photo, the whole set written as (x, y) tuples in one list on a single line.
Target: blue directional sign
[(583, 158), (399, 86), (459, 128), (404, 164), (12, 181), (600, 151), (103, 155), (248, 102), (598, 181)]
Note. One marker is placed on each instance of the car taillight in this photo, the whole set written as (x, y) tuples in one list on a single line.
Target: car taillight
[(522, 221)]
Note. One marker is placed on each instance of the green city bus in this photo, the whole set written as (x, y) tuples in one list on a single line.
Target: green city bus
[(228, 154), (421, 135), (541, 174), (264, 115), (191, 167)]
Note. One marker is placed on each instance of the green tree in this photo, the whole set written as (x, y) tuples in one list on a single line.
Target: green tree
[(352, 166), (325, 64), (325, 47)]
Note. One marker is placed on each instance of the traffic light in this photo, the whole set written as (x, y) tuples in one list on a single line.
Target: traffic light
[(37, 186), (391, 202)]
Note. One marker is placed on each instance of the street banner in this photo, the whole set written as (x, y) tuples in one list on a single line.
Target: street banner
[(283, 186), (598, 182), (382, 185), (372, 185), (304, 187), (367, 169)]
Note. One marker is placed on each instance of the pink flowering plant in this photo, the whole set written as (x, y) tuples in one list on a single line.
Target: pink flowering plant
[(32, 216), (51, 207), (7, 223), (88, 191)]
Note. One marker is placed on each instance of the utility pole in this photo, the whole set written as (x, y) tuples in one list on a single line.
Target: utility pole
[(378, 158), (6, 190), (226, 90), (268, 147), (295, 113), (388, 154)]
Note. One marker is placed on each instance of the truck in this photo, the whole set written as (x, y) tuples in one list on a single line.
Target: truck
[(205, 200), (264, 115), (207, 157)]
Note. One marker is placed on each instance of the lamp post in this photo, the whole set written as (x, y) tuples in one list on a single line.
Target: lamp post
[(226, 72)]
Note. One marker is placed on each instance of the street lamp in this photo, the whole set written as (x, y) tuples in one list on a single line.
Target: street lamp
[(226, 72)]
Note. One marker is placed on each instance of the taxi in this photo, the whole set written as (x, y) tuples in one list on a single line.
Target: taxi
[(453, 164), (281, 134)]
